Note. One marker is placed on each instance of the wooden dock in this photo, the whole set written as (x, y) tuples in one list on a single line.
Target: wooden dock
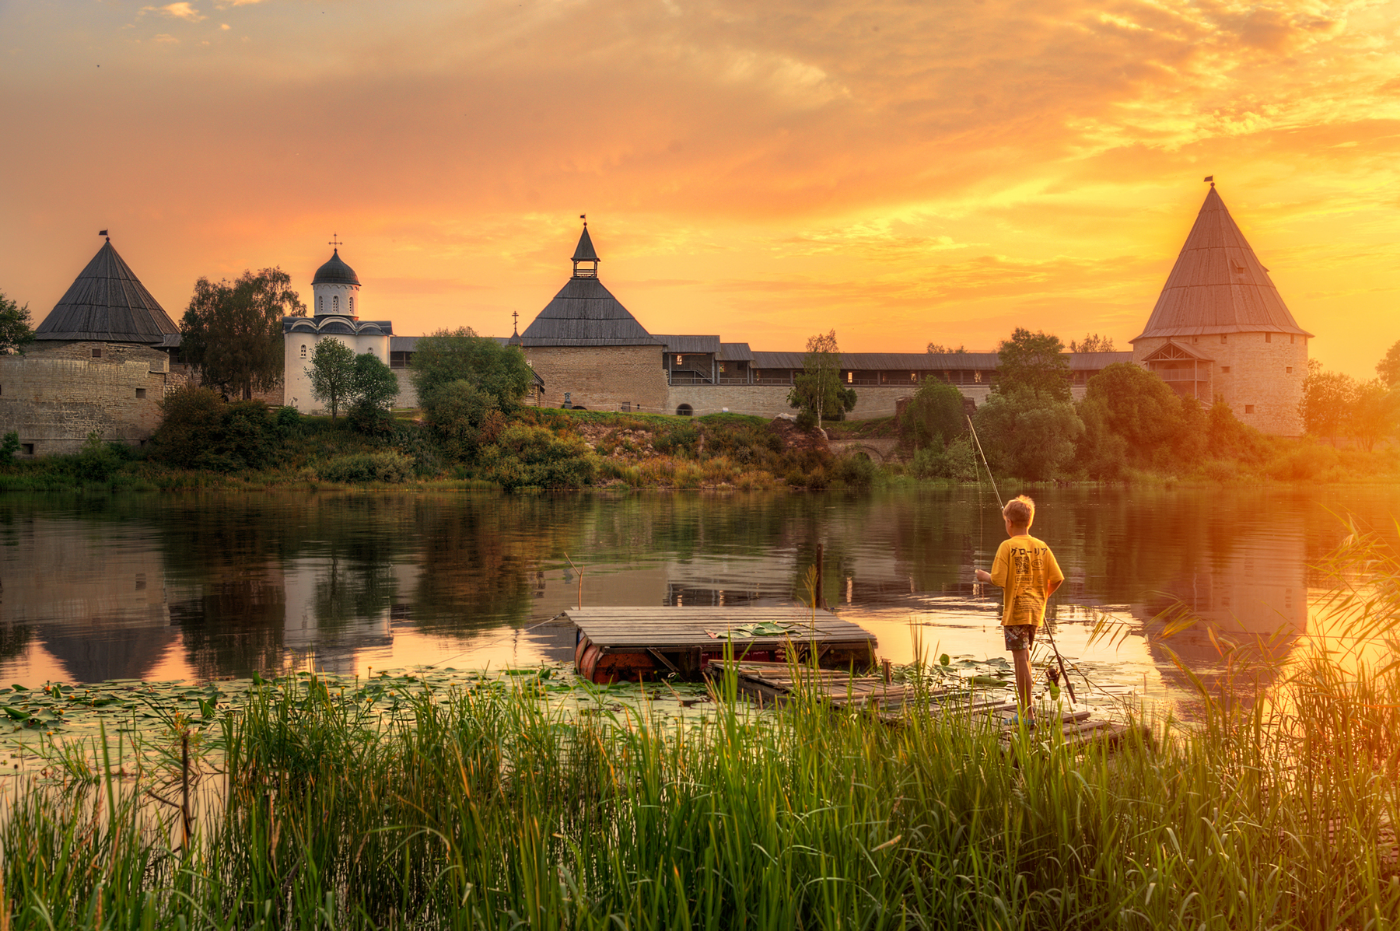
[(633, 644), (771, 683)]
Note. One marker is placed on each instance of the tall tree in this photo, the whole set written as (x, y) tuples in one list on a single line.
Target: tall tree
[(15, 332), (373, 385), (1327, 401), (450, 356), (1034, 362), (935, 416), (1389, 368), (233, 330), (332, 373), (940, 349), (1374, 414), (818, 390)]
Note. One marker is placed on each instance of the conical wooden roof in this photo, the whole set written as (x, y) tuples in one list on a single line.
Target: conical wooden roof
[(584, 251), (1218, 285), (108, 302), (584, 313)]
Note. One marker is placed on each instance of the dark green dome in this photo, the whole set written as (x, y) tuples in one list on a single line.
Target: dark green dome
[(335, 271)]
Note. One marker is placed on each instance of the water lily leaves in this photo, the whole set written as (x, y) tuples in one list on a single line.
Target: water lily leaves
[(17, 715), (945, 661)]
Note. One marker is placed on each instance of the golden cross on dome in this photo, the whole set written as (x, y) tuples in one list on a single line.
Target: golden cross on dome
[(335, 241)]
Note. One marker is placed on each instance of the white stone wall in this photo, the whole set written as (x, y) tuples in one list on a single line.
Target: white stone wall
[(299, 349), (332, 299), (771, 400)]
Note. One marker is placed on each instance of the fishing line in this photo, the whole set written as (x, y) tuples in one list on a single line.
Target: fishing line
[(1051, 634), (510, 633)]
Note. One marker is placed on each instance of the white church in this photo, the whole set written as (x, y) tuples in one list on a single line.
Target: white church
[(335, 296)]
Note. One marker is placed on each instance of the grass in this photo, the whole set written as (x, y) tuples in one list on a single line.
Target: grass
[(485, 805)]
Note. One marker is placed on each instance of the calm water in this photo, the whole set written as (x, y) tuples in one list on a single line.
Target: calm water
[(208, 585)]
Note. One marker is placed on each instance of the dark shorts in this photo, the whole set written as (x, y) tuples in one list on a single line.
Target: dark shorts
[(1019, 636)]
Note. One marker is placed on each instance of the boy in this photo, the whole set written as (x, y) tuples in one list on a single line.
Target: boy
[(1026, 569)]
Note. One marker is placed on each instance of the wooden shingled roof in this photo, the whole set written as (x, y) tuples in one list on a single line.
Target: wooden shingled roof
[(108, 302), (1218, 285), (584, 313)]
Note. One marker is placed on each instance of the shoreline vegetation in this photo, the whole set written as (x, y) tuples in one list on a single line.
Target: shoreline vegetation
[(538, 449), (399, 802)]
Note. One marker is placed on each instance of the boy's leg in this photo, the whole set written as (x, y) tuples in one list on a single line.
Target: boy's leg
[(1021, 659)]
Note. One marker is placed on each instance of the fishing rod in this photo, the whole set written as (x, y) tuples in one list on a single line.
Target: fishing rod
[(1050, 633)]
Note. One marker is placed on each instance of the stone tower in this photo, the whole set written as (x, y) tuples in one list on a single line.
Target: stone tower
[(1221, 330)]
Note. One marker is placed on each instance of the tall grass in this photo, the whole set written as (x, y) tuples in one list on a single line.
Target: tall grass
[(486, 808)]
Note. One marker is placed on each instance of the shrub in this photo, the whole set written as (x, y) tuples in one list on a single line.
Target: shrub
[(855, 470), (806, 421), (97, 461), (200, 430), (1026, 434), (1305, 463), (934, 416), (681, 439), (8, 447), (390, 467), (526, 456), (957, 461), (456, 412)]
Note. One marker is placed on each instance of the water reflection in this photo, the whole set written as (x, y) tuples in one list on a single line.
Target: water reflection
[(224, 585)]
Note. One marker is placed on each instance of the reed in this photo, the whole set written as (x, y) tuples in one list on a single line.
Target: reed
[(489, 807)]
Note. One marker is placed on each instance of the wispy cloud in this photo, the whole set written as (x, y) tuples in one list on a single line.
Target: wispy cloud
[(182, 10)]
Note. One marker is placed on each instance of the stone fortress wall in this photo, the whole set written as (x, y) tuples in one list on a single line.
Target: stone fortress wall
[(53, 397), (607, 378)]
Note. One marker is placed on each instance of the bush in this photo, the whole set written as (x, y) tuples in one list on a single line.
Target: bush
[(806, 421), (957, 461), (390, 467), (1305, 463), (202, 431), (1028, 435), (97, 461), (855, 470), (682, 439), (456, 412), (525, 456)]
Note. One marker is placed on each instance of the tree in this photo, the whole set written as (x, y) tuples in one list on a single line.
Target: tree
[(15, 332), (332, 373), (373, 385), (1389, 367), (1092, 343), (1034, 362), (818, 390), (1133, 418), (1327, 401), (460, 355), (1027, 435), (1375, 413), (233, 331), (939, 349), (934, 416)]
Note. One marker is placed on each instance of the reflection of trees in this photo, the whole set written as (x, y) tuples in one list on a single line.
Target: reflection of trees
[(348, 590), (233, 623), (14, 640)]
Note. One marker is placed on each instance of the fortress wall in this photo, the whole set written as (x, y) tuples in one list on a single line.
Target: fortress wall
[(53, 398), (602, 378)]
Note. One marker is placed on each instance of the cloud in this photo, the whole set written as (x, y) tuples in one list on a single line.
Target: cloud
[(165, 38), (181, 10)]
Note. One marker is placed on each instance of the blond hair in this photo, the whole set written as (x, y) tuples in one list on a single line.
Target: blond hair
[(1019, 511)]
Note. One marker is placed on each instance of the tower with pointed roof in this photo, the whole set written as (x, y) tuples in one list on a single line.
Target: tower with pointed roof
[(1220, 329), (586, 344), (99, 363)]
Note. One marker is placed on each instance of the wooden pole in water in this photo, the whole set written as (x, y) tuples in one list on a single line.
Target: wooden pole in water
[(820, 595)]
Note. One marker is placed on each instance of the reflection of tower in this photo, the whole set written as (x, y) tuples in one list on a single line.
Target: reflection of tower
[(1255, 595), (335, 608)]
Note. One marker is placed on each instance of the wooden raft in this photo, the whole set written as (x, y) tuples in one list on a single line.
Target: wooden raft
[(776, 683), (633, 644)]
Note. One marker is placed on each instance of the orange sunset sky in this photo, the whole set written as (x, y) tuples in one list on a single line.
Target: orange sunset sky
[(899, 171)]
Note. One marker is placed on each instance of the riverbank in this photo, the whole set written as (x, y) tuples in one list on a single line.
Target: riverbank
[(545, 448)]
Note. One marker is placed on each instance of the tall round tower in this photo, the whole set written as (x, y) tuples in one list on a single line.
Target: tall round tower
[(335, 289), (1221, 330)]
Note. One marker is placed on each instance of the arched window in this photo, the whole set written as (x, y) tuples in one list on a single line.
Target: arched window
[(321, 304), (352, 305), (303, 350), (335, 304), (685, 410)]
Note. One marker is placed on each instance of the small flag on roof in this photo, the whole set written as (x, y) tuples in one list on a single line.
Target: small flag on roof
[(102, 232), (1210, 178)]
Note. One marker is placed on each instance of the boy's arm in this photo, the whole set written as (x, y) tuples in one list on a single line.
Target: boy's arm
[(998, 569), (1054, 578)]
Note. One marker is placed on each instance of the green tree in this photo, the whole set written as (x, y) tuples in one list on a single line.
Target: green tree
[(1034, 362), (1374, 414), (450, 356), (233, 330), (373, 388), (1327, 401), (1389, 368), (939, 349), (8, 447), (1133, 419), (199, 430), (818, 391), (1092, 342), (332, 373), (15, 331), (936, 415), (1028, 435)]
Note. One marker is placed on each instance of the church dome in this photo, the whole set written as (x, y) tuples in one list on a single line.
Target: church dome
[(335, 271)]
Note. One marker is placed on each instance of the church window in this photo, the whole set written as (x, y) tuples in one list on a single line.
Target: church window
[(320, 303), (1249, 408), (1268, 337), (335, 305), (352, 303), (303, 350)]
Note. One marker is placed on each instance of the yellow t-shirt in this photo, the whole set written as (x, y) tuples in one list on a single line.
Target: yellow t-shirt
[(1025, 568)]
